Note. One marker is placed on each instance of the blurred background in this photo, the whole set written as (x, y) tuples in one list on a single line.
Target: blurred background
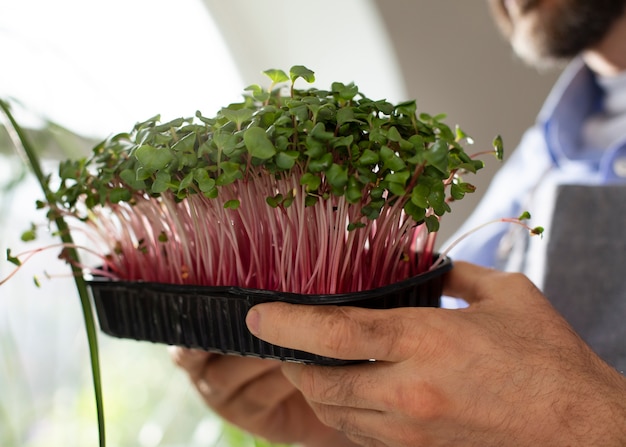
[(79, 70)]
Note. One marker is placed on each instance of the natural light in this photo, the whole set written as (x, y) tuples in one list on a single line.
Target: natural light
[(96, 68)]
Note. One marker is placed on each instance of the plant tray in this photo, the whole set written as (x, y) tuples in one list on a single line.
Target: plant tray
[(213, 318)]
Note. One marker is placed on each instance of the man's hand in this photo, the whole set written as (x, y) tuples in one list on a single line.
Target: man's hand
[(507, 370), (255, 395)]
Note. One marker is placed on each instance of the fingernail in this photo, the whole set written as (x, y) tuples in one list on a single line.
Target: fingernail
[(253, 320), (204, 387), (183, 351)]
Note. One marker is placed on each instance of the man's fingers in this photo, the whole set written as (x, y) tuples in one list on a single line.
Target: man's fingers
[(479, 284), (352, 333), (364, 385), (191, 360), (224, 376), (254, 387), (348, 333), (464, 281)]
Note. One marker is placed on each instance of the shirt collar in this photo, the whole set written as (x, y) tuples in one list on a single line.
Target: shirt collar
[(574, 97)]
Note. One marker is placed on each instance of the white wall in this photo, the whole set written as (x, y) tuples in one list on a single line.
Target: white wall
[(454, 61), (341, 40)]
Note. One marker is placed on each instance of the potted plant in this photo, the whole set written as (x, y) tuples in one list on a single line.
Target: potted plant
[(315, 196), (303, 195)]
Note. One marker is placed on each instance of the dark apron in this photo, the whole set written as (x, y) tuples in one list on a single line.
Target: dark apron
[(585, 275)]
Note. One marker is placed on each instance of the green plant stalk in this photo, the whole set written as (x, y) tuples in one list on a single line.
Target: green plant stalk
[(81, 285)]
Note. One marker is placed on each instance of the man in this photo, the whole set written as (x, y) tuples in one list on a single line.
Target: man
[(506, 370)]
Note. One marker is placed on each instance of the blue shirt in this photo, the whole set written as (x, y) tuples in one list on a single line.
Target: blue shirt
[(552, 152)]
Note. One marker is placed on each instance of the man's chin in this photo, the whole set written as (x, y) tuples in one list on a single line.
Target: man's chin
[(529, 48)]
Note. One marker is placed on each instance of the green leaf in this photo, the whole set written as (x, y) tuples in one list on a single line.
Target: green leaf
[(498, 146), (276, 76), (161, 182), (437, 156), (377, 193), (354, 225), (391, 160), (473, 166), (225, 141), (311, 181), (254, 89), (396, 189), (272, 202), (372, 211), (117, 195), (394, 135), (311, 200), (342, 142), (238, 116), (354, 194), (432, 223), (460, 135), (129, 177), (322, 163), (12, 259), (337, 175), (212, 194), (186, 181), (314, 149), (345, 92), (437, 198), (203, 180), (150, 122), (69, 170), (230, 173), (456, 192), (416, 212), (384, 106), (319, 132), (153, 159), (408, 108), (231, 204), (300, 71), (459, 189), (368, 157), (258, 93), (177, 122), (29, 235), (419, 195), (400, 178), (185, 144), (286, 160), (345, 115), (258, 144), (288, 200), (143, 174)]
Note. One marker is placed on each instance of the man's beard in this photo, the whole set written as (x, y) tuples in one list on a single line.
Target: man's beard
[(548, 33)]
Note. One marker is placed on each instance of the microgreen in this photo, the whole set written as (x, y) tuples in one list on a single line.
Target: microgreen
[(520, 220), (299, 190), (303, 190)]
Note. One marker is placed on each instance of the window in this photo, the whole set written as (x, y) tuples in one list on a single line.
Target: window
[(96, 68)]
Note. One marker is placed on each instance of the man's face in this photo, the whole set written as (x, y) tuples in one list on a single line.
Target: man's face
[(544, 32)]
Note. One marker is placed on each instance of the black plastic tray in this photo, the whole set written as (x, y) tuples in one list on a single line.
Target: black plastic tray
[(213, 318)]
